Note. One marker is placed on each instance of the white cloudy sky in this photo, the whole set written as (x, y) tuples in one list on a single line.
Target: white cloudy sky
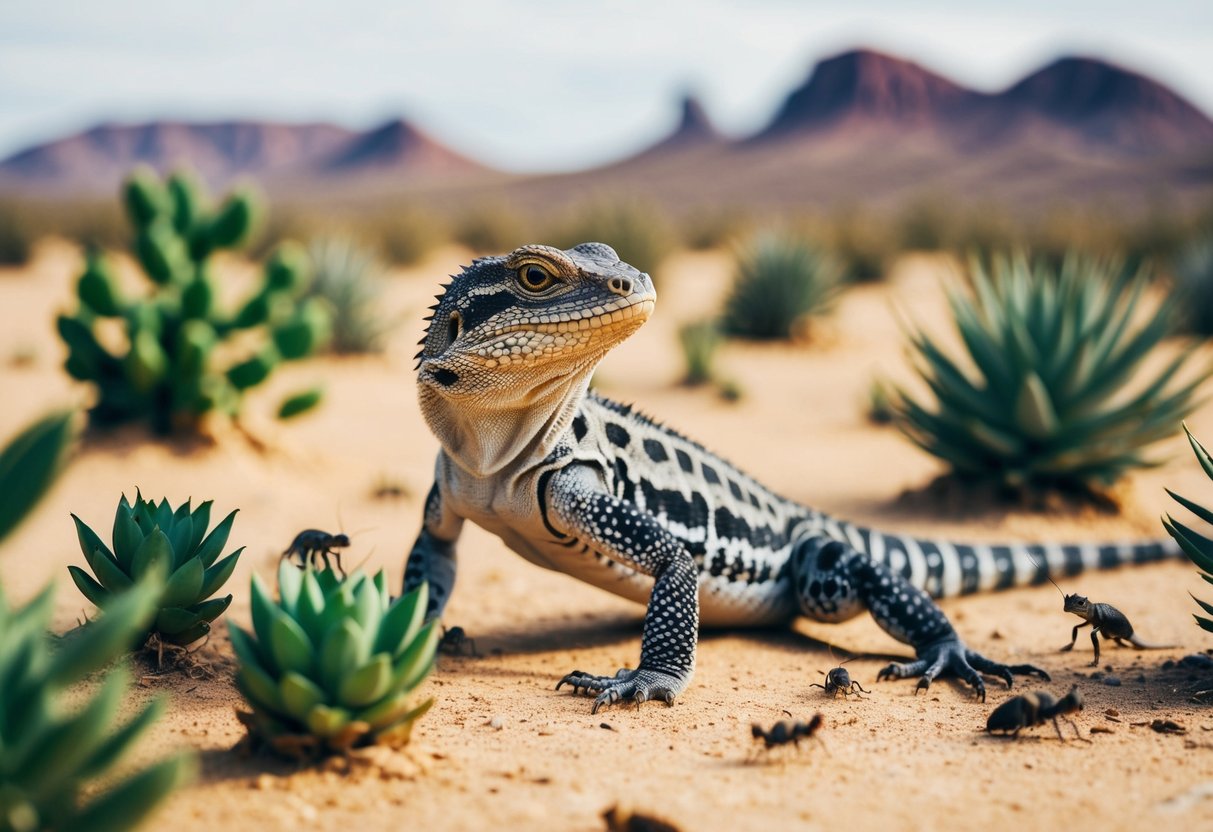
[(532, 84)]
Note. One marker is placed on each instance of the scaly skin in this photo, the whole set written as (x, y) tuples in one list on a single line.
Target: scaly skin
[(581, 484)]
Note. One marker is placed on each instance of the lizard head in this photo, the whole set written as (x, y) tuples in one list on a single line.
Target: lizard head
[(508, 328)]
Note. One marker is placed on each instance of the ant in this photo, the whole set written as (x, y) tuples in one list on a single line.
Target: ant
[(454, 640), (1035, 708), (838, 681), (310, 545), (787, 731)]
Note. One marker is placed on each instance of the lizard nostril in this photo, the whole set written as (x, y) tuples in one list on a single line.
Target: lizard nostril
[(620, 285)]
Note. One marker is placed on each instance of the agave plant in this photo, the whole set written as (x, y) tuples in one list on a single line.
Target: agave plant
[(333, 664), (1051, 391), (1195, 545), (350, 279), (150, 537), (52, 755), (779, 282)]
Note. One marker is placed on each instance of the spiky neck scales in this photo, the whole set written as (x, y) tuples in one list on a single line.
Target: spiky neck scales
[(511, 346)]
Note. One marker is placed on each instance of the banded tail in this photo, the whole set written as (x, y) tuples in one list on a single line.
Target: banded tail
[(946, 569)]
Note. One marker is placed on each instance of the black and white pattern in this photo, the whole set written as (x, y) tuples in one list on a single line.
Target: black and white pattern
[(584, 485)]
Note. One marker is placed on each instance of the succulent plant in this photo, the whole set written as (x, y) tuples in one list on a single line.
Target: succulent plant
[(1056, 394), (29, 464), (149, 537), (699, 340), (350, 280), (55, 755), (167, 369), (1195, 545), (333, 664), (779, 282), (1194, 283)]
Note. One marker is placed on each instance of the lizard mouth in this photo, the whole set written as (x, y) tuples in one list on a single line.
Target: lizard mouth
[(549, 336)]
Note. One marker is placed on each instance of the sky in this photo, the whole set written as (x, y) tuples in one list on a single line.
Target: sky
[(534, 85)]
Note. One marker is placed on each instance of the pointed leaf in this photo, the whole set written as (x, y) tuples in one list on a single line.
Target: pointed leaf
[(345, 649), (132, 800), (417, 660), (212, 546), (290, 581), (91, 545), (212, 609), (184, 586), (154, 556), (402, 622), (127, 535), (368, 684), (291, 646), (215, 577), (299, 695), (200, 520)]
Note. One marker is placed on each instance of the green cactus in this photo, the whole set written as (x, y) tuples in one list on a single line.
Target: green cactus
[(151, 537), (1196, 546), (333, 664), (169, 371), (29, 464), (52, 755)]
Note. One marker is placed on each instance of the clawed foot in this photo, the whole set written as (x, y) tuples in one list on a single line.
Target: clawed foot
[(952, 656), (634, 685)]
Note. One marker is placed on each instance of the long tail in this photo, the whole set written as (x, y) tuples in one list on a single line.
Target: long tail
[(946, 569)]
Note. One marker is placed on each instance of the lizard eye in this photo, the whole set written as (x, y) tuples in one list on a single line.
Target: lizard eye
[(535, 278)]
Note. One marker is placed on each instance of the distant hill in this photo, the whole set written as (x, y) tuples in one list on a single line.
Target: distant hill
[(98, 158), (863, 127)]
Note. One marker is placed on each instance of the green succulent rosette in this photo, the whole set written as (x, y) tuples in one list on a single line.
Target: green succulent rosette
[(334, 663)]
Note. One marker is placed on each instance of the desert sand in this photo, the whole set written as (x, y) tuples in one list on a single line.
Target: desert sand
[(501, 748)]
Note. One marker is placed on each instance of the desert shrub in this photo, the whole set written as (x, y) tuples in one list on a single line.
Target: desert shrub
[(491, 229), (57, 756), (1050, 391), (778, 283), (334, 663), (699, 341), (405, 235), (1195, 545), (1194, 285), (879, 409), (349, 279), (30, 462), (16, 234), (716, 229), (165, 371), (863, 245), (640, 233), (156, 538)]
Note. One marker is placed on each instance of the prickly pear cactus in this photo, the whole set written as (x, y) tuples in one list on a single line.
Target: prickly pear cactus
[(183, 356)]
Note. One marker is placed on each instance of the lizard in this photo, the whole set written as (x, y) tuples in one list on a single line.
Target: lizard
[(576, 482)]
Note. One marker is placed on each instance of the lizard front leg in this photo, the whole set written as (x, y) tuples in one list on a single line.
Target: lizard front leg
[(835, 582), (581, 508), (432, 558)]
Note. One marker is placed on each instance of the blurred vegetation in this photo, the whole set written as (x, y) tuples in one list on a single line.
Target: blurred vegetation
[(349, 279), (1056, 395), (699, 341), (404, 234), (30, 463), (779, 281), (721, 228), (176, 338), (879, 407), (491, 229), (1194, 284), (640, 232)]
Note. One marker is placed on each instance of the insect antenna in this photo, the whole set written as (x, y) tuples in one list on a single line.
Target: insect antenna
[(1047, 575)]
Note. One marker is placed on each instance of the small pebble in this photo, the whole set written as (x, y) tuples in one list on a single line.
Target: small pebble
[(1112, 712), (497, 723), (1112, 681)]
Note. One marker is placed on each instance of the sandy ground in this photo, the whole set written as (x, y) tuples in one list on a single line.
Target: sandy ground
[(892, 761)]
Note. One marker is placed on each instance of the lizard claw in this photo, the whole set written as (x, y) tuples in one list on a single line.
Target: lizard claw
[(952, 656), (636, 685)]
